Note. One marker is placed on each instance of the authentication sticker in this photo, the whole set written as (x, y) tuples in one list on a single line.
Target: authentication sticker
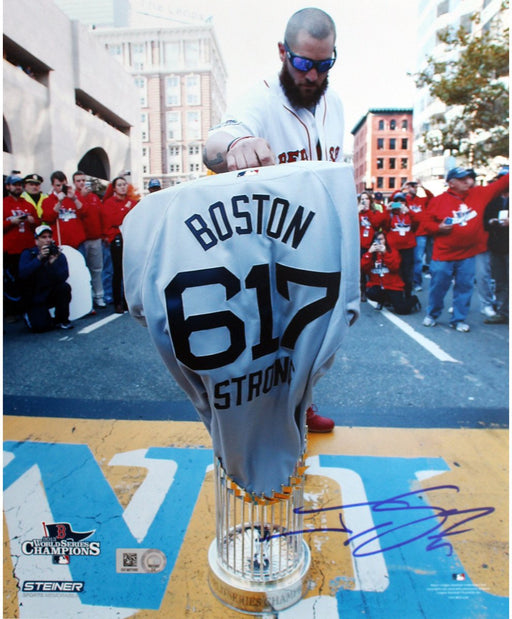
[(140, 560)]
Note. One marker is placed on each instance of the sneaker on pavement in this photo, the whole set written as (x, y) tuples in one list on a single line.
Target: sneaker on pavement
[(317, 423), (64, 325), (488, 311), (418, 288), (99, 303), (462, 327), (428, 321)]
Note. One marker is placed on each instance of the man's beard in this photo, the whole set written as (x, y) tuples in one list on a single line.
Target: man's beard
[(294, 94)]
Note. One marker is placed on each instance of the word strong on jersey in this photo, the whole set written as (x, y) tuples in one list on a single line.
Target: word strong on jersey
[(248, 282)]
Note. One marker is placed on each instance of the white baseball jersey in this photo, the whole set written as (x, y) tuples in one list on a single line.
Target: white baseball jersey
[(248, 282), (292, 133)]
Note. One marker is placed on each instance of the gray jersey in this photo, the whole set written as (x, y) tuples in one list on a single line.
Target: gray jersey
[(247, 282)]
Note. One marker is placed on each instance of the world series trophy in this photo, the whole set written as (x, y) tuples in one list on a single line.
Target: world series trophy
[(248, 282)]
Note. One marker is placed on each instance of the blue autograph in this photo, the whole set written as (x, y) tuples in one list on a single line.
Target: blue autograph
[(436, 521)]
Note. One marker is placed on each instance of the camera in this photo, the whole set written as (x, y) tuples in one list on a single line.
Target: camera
[(53, 250), (23, 216), (65, 189)]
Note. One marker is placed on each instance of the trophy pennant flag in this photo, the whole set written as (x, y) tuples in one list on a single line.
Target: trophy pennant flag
[(248, 282)]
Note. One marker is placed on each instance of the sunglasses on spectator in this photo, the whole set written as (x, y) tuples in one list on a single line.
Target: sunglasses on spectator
[(306, 64)]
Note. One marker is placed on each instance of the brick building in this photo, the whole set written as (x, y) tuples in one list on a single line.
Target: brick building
[(383, 146)]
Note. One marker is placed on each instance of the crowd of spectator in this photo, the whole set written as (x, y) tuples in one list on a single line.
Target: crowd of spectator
[(37, 225), (458, 238)]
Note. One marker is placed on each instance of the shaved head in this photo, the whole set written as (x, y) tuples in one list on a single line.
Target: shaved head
[(314, 21)]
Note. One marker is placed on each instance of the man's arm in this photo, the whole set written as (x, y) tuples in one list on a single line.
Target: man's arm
[(224, 153)]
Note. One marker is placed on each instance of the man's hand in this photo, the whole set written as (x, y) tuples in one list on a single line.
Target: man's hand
[(249, 152), (445, 227)]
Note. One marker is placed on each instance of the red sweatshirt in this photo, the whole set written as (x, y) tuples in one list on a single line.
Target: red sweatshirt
[(383, 269), (91, 218), (467, 238), (401, 229), (370, 222), (18, 237), (114, 210), (67, 224)]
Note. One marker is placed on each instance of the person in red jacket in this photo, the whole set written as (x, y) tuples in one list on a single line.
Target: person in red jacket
[(114, 211), (20, 219), (92, 246), (370, 221), (381, 263), (455, 219), (401, 226), (63, 211)]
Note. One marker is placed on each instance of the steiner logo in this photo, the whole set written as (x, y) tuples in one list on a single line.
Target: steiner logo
[(53, 586), (61, 542)]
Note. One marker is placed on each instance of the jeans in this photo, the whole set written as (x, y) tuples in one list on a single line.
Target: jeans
[(106, 274), (407, 269), (443, 272), (93, 254), (483, 279), (499, 271), (419, 252)]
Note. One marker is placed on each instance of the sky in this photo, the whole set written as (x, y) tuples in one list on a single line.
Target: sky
[(376, 47)]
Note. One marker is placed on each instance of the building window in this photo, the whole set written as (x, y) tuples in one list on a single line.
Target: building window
[(405, 125), (392, 163), (381, 125), (172, 54), (194, 167), (193, 90), (405, 143), (115, 50), (391, 182), (142, 85), (174, 167), (192, 53), (172, 91), (174, 159), (138, 56), (380, 182), (380, 143), (145, 159), (404, 163), (380, 163), (392, 143), (173, 125), (194, 125), (403, 180), (193, 150), (392, 125), (144, 124)]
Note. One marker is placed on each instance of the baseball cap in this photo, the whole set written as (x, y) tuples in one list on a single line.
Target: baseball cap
[(379, 195), (502, 171), (459, 173), (33, 178), (40, 229), (399, 196), (394, 205), (411, 183), (154, 182), (15, 178)]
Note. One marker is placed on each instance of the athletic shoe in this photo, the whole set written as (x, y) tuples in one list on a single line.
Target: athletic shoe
[(99, 303), (461, 327), (64, 325), (488, 311), (317, 423), (428, 321), (497, 319), (418, 288)]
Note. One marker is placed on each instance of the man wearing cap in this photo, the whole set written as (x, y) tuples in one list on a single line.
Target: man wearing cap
[(455, 219), (43, 272), (154, 185), (32, 192), (20, 218)]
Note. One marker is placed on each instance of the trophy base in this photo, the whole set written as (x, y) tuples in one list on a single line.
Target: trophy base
[(258, 598)]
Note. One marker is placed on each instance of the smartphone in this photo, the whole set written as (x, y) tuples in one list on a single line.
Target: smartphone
[(448, 221)]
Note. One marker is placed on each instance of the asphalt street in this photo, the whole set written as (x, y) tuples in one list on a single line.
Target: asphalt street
[(389, 372)]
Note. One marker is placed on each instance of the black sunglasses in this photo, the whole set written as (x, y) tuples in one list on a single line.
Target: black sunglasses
[(306, 64)]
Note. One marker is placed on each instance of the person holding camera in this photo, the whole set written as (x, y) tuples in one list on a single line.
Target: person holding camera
[(63, 211), (43, 271), (381, 264)]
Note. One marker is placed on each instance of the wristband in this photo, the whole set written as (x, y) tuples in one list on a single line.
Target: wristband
[(233, 142)]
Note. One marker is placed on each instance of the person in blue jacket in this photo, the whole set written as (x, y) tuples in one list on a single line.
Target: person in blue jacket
[(43, 271)]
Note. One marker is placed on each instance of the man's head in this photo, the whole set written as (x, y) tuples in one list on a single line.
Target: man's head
[(14, 184), (80, 180), (411, 187), (43, 235), (154, 185), (307, 53), (32, 184), (460, 179), (58, 180)]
